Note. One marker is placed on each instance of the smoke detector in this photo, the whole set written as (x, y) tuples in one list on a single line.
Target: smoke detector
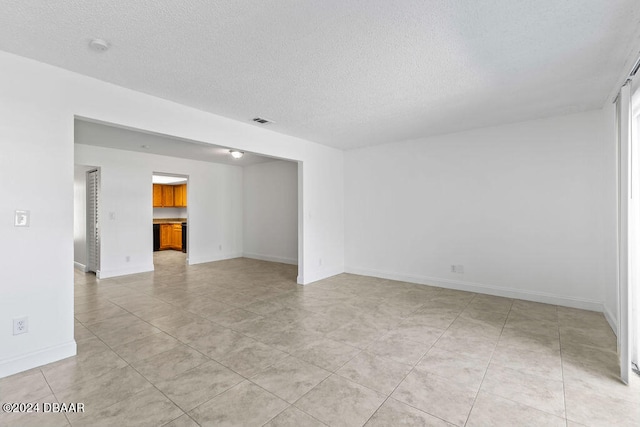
[(99, 45), (262, 120)]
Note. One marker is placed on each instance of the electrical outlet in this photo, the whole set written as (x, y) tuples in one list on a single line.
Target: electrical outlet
[(453, 268), (22, 218), (20, 325), (220, 247), (127, 258)]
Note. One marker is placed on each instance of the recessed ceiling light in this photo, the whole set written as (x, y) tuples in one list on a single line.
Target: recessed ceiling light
[(99, 45), (236, 154)]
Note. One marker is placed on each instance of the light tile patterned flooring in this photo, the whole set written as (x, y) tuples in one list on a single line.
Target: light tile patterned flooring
[(239, 343)]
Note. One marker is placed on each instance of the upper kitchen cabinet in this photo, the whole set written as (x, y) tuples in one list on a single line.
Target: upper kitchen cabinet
[(169, 196), (157, 195), (180, 196)]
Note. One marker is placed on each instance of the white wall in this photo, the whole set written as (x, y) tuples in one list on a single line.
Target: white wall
[(215, 212), (170, 212), (38, 282), (80, 216), (36, 279), (528, 209), (271, 211)]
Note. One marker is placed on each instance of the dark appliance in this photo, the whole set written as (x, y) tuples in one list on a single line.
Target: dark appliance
[(184, 237), (156, 237)]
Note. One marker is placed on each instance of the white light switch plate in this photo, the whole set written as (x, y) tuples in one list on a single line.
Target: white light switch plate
[(22, 218)]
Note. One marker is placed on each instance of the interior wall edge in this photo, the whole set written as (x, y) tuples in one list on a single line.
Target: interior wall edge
[(79, 266), (611, 319), (106, 274), (324, 273)]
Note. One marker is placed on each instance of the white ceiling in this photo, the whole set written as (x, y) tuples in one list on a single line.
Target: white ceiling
[(90, 133), (345, 73)]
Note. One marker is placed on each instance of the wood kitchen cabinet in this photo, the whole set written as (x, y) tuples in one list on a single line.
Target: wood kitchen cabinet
[(167, 196), (180, 196), (176, 237), (171, 236), (157, 195), (166, 236)]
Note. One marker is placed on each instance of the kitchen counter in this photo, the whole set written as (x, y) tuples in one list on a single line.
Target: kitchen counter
[(169, 220)]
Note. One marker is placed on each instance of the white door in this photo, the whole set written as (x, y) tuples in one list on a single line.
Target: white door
[(93, 228)]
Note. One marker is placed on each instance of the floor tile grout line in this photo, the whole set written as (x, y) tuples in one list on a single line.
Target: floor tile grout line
[(520, 403), (183, 414), (488, 365), (54, 395), (365, 349), (413, 369), (564, 388), (161, 392)]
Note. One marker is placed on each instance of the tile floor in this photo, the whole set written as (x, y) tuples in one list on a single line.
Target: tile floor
[(239, 343)]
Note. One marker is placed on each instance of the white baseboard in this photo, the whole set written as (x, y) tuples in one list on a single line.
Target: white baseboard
[(313, 276), (37, 358), (212, 258), (80, 267), (269, 258), (485, 289), (105, 274), (611, 319)]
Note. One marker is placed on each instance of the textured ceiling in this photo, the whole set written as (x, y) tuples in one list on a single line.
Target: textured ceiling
[(90, 133), (345, 73)]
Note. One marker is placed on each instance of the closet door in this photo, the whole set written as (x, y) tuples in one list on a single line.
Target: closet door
[(93, 228)]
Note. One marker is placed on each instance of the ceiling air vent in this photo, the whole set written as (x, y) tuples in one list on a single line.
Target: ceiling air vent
[(262, 120)]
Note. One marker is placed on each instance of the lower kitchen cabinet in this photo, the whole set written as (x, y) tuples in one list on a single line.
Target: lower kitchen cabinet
[(171, 236), (166, 236), (176, 237)]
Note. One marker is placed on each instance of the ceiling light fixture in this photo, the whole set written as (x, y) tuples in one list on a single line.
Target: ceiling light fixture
[(262, 120), (99, 45), (236, 154)]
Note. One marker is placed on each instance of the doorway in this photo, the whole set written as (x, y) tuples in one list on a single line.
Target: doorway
[(170, 214), (216, 195)]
